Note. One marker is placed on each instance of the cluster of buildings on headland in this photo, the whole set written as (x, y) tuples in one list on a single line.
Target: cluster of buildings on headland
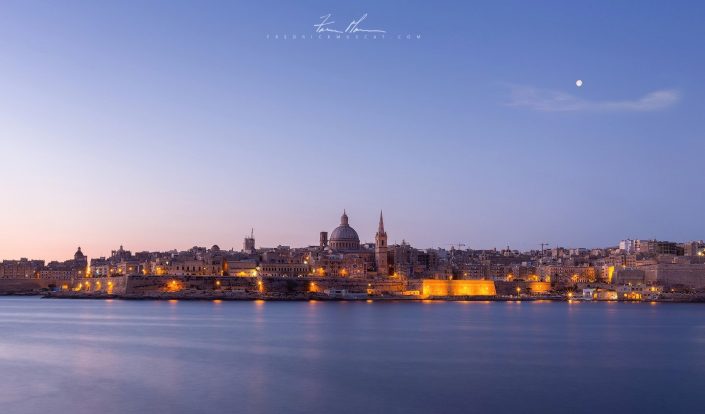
[(340, 266)]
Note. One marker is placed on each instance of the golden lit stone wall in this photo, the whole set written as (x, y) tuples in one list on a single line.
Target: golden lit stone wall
[(433, 287), (106, 284), (539, 287)]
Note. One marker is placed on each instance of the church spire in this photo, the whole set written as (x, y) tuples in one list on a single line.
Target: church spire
[(381, 248)]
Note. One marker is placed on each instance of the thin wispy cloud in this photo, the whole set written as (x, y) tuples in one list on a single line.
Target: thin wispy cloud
[(555, 101)]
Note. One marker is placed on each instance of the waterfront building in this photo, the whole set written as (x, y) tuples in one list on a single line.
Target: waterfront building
[(130, 267), (405, 259), (120, 254), (241, 267), (600, 294), (658, 247), (102, 267), (60, 271), (567, 273), (286, 269), (693, 248), (20, 269), (77, 267), (639, 292), (627, 246), (183, 266), (284, 261)]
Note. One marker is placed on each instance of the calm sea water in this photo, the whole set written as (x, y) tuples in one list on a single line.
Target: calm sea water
[(69, 356)]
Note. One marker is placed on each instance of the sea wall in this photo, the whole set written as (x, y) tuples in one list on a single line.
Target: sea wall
[(146, 285), (434, 287), (23, 286), (675, 274), (107, 285)]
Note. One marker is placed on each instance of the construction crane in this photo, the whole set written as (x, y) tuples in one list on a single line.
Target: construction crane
[(542, 247), (453, 245)]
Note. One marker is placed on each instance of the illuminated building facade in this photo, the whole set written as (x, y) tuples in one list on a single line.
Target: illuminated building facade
[(20, 269), (441, 288)]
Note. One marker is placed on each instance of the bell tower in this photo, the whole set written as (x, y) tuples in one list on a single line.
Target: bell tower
[(248, 246), (381, 249)]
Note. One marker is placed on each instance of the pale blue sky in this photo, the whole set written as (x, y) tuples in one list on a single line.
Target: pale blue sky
[(162, 125)]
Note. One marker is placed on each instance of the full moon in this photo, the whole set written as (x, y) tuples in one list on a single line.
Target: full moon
[(578, 83)]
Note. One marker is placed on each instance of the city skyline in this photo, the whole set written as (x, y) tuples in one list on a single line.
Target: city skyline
[(365, 239), (170, 125), (232, 241)]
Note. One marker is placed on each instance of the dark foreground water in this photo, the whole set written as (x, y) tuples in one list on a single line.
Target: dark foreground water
[(85, 356)]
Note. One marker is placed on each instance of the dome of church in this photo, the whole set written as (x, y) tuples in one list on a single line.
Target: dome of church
[(344, 237), (344, 233)]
